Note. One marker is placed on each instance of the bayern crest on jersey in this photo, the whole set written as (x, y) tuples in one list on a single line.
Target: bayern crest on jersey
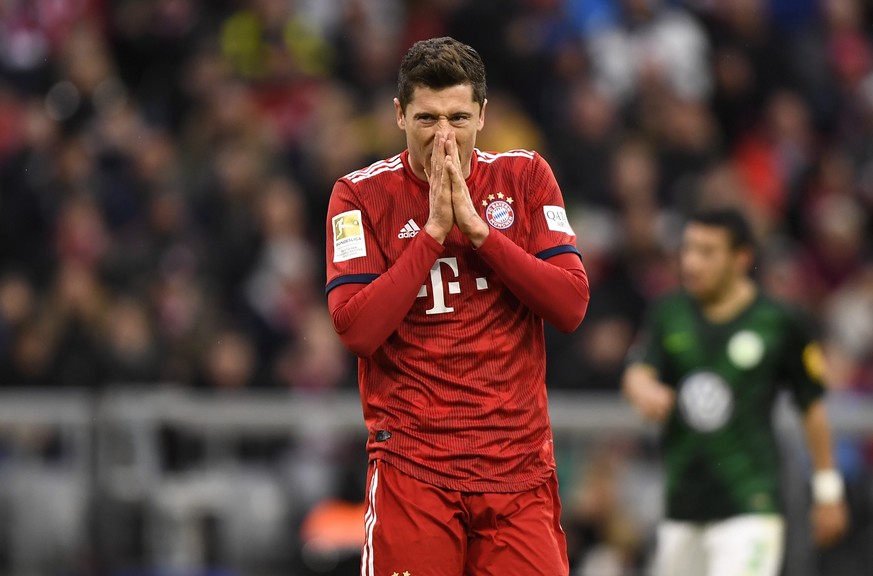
[(500, 214)]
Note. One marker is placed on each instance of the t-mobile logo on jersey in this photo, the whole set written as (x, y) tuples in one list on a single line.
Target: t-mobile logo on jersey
[(439, 289)]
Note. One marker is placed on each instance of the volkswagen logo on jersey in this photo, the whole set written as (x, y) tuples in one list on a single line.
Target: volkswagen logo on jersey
[(705, 401), (499, 213)]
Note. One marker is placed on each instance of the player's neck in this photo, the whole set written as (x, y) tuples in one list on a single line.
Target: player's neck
[(731, 301)]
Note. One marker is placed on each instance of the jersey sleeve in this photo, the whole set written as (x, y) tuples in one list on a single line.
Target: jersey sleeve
[(803, 364), (353, 253), (551, 232)]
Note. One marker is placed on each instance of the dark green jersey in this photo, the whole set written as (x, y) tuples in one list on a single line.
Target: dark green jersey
[(720, 448)]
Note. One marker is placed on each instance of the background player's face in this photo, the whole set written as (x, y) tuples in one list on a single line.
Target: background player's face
[(433, 111), (708, 264)]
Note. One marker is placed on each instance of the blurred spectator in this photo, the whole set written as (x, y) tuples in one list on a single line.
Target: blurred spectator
[(150, 42), (279, 286), (365, 40), (229, 364), (850, 332), (75, 314), (132, 352), (652, 46), (29, 174), (315, 362), (17, 302), (774, 159), (831, 57), (34, 34), (751, 59), (183, 311), (509, 128), (602, 533), (835, 250), (583, 145), (24, 352), (688, 145)]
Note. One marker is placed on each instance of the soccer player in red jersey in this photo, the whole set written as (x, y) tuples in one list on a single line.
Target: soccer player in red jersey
[(442, 264)]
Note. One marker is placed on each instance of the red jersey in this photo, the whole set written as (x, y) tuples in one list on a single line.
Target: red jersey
[(453, 383)]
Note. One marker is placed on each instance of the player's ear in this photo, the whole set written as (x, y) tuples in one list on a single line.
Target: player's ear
[(481, 123), (401, 117), (745, 258)]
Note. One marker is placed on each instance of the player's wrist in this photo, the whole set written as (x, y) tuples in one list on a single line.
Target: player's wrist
[(479, 234), (436, 232), (828, 486)]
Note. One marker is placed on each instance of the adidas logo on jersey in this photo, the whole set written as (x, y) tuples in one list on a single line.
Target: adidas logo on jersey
[(409, 230)]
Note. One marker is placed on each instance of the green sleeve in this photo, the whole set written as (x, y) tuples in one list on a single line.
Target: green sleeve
[(803, 361)]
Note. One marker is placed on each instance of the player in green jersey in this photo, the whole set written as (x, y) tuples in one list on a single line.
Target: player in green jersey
[(709, 365)]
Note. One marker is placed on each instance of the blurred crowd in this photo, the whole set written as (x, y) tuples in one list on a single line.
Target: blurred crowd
[(165, 167)]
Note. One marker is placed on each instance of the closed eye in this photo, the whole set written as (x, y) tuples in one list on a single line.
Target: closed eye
[(429, 119)]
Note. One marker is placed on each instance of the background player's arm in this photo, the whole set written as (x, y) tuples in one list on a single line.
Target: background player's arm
[(652, 398), (829, 514)]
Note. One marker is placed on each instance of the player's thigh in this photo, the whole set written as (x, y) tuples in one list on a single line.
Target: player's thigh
[(517, 534), (679, 549), (748, 545), (410, 526)]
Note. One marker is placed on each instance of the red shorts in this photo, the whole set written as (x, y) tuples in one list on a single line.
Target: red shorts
[(416, 529)]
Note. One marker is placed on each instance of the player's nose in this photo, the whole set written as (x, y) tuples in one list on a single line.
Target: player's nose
[(443, 124)]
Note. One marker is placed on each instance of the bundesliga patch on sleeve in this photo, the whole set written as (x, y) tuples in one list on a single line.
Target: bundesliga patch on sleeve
[(348, 236), (556, 218)]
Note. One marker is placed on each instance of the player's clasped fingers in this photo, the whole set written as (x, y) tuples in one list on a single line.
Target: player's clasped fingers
[(452, 150), (436, 157)]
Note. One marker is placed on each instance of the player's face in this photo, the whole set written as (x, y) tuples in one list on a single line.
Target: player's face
[(708, 263), (431, 112)]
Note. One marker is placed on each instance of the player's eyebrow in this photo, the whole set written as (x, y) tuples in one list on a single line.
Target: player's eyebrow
[(460, 113)]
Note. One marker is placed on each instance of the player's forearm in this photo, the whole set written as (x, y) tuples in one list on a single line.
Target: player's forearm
[(365, 315), (827, 482), (650, 397), (636, 375), (557, 289), (818, 436)]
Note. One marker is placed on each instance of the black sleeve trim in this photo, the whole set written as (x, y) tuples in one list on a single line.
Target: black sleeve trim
[(554, 251), (350, 279)]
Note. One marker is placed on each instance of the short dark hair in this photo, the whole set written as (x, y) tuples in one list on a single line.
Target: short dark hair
[(729, 219), (440, 63)]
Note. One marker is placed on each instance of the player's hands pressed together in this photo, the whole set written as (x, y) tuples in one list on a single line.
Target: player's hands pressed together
[(450, 201), (442, 217), (466, 217)]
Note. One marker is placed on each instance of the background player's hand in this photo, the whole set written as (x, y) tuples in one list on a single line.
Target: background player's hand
[(466, 216), (441, 217), (653, 399), (829, 523)]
